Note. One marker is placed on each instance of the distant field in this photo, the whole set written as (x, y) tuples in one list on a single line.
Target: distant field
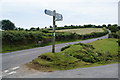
[(82, 30)]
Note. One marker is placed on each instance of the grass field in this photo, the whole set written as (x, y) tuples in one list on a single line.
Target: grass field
[(106, 45), (78, 56), (82, 30)]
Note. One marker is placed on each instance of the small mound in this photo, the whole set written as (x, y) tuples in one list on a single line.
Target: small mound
[(74, 56)]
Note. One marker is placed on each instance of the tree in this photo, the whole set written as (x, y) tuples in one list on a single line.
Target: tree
[(115, 25), (50, 26), (103, 25), (118, 34), (7, 25), (26, 30), (88, 26), (37, 28), (16, 29), (32, 29), (65, 25), (99, 26), (109, 25), (20, 28), (113, 28)]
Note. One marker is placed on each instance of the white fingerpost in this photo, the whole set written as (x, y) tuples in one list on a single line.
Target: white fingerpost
[(56, 17)]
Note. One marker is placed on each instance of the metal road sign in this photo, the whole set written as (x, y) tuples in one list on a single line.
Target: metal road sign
[(58, 17), (49, 12)]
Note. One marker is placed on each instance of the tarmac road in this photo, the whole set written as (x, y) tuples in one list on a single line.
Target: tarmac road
[(105, 71), (18, 58)]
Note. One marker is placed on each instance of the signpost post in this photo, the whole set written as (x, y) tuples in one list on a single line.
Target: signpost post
[(56, 17), (53, 42)]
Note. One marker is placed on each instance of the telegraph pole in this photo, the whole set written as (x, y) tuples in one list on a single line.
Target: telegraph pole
[(53, 40)]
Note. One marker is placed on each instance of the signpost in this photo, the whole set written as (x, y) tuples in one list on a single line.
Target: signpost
[(56, 17)]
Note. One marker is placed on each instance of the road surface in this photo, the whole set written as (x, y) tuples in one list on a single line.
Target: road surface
[(106, 71)]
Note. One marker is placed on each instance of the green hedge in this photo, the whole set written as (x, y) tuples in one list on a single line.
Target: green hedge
[(28, 37), (22, 37)]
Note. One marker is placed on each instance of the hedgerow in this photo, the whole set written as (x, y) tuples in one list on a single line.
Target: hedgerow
[(22, 37), (28, 37)]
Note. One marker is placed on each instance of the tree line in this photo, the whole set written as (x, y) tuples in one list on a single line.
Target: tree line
[(8, 25)]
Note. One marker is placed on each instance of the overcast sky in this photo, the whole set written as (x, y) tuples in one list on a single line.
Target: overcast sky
[(30, 13)]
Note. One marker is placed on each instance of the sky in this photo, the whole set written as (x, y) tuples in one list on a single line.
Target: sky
[(30, 13)]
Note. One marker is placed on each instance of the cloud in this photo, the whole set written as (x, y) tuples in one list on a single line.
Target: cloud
[(31, 12)]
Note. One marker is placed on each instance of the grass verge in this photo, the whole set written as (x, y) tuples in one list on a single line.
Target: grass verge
[(77, 56)]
